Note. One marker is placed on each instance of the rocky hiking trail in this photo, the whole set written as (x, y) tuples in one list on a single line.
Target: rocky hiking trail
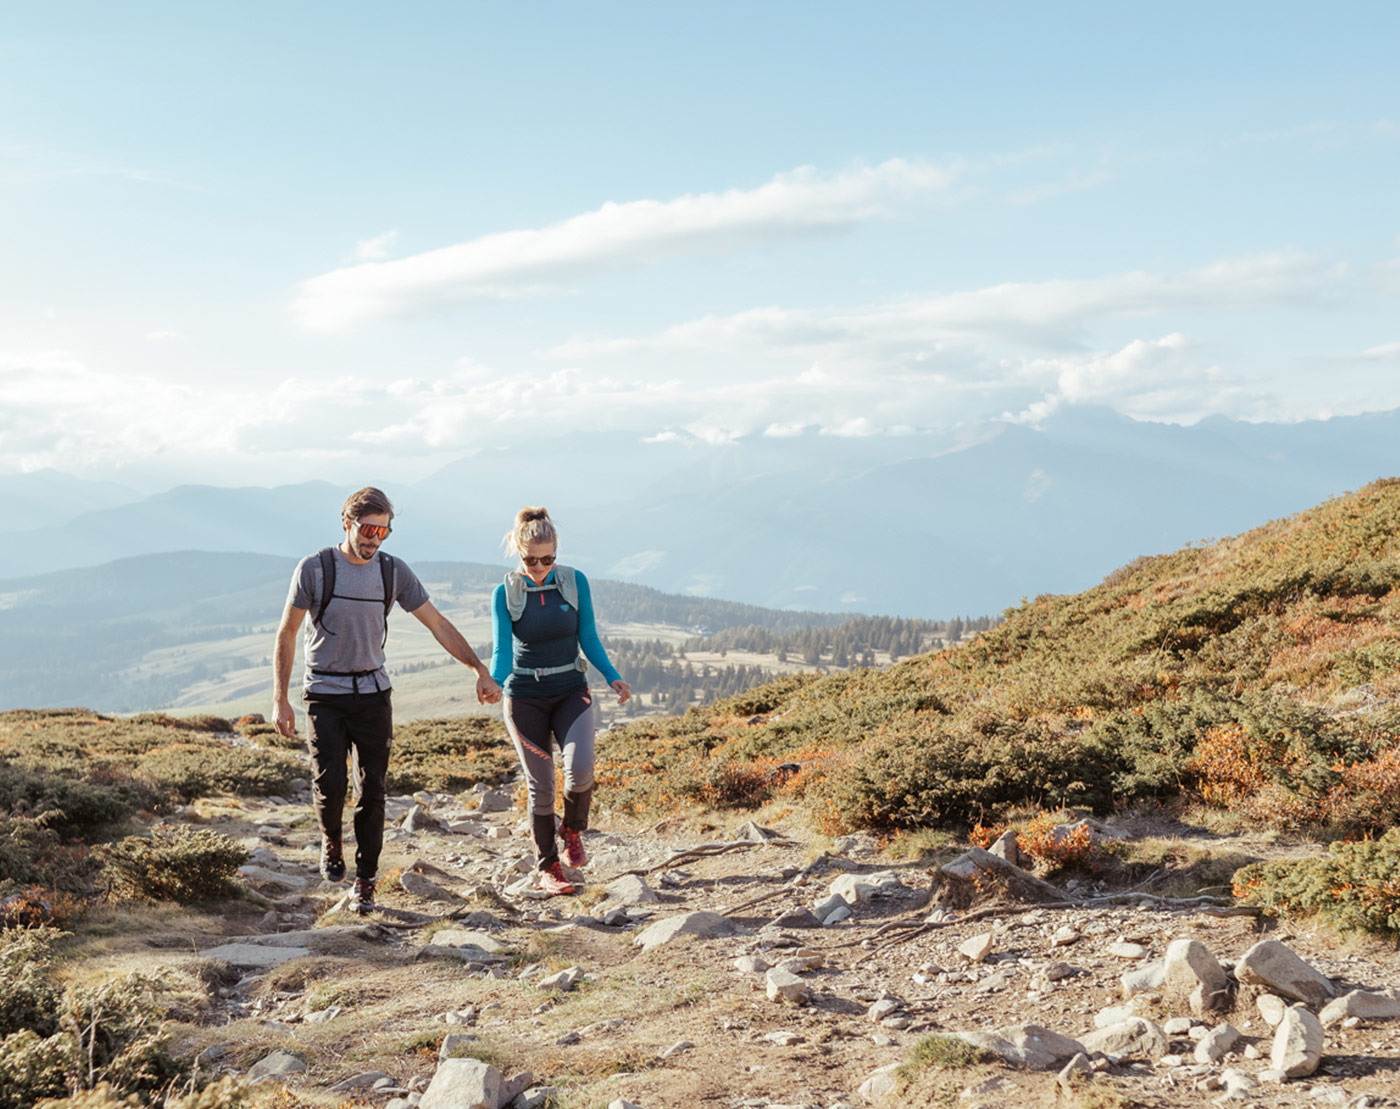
[(738, 966)]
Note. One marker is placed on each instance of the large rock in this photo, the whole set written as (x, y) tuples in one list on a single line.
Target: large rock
[(881, 1084), (749, 832), (783, 985), (254, 956), (420, 820), (1363, 1004), (463, 1084), (276, 1065), (421, 886), (975, 861), (463, 937), (317, 939), (976, 949), (491, 801), (630, 889), (1217, 1043), (1007, 847), (1134, 1038), (1275, 967), (1297, 1043), (1193, 973), (1144, 978), (290, 883), (564, 981), (1026, 1045), (701, 923)]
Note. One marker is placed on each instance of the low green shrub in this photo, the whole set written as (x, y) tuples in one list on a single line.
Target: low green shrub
[(449, 754), (943, 1052), (1354, 887), (187, 771), (70, 806), (119, 1028), (28, 997), (198, 723), (188, 865), (34, 1067)]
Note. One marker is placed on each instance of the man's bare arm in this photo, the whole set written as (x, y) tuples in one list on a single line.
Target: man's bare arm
[(456, 645), (283, 654)]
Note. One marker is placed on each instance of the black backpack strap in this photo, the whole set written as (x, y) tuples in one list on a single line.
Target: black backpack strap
[(386, 574), (327, 557)]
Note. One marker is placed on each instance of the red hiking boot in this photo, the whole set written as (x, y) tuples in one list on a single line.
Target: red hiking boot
[(552, 880), (574, 854)]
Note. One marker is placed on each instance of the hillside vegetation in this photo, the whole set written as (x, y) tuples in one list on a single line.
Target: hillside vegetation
[(1259, 672)]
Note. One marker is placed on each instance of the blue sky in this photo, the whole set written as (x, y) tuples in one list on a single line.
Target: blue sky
[(259, 243)]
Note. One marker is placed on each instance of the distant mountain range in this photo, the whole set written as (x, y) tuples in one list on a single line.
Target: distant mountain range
[(918, 525), (196, 627)]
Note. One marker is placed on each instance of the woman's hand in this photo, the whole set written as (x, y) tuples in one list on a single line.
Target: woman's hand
[(624, 691)]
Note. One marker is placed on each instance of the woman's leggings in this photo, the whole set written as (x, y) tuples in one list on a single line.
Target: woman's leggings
[(536, 725)]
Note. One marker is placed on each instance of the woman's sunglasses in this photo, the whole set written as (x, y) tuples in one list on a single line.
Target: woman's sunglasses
[(537, 560)]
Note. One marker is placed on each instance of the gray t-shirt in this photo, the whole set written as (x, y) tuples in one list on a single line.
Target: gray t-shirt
[(350, 635)]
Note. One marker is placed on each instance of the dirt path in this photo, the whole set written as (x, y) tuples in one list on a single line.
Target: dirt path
[(680, 1024)]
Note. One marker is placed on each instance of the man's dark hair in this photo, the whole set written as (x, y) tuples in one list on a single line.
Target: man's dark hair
[(368, 501)]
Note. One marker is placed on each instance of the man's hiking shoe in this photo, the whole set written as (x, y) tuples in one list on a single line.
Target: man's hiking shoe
[(552, 880), (574, 854), (332, 860), (362, 896)]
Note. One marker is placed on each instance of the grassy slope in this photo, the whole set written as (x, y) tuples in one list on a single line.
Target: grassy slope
[(1263, 669)]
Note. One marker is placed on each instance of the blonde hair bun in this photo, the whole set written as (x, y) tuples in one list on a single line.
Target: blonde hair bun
[(532, 525)]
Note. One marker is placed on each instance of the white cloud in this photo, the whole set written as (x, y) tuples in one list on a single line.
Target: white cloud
[(1047, 315), (1072, 182), (635, 564), (1383, 353), (617, 234), (161, 336), (375, 249)]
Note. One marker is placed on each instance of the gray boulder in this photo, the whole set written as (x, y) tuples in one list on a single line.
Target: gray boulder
[(1026, 1045), (1134, 1038), (1217, 1043), (463, 1084), (1192, 972), (421, 886), (1298, 1042), (420, 819), (1279, 970), (1362, 1004), (276, 1065), (701, 923)]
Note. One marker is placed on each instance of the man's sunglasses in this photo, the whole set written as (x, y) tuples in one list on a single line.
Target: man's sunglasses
[(537, 560), (373, 531)]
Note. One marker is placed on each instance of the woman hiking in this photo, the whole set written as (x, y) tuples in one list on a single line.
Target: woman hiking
[(541, 616)]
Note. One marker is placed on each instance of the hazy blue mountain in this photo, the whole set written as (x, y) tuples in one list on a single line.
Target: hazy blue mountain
[(285, 520), (135, 633), (47, 498), (919, 525)]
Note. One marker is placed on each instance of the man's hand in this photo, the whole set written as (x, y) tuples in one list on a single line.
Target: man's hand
[(487, 691), (284, 718), (624, 691)]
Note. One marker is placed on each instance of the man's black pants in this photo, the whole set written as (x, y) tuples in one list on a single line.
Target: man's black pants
[(360, 726)]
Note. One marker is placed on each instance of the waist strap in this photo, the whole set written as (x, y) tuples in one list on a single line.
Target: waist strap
[(538, 672)]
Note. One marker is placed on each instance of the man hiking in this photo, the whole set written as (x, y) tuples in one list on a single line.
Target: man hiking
[(348, 591)]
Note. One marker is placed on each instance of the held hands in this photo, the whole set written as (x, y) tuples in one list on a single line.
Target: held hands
[(284, 719), (487, 691), (624, 691)]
